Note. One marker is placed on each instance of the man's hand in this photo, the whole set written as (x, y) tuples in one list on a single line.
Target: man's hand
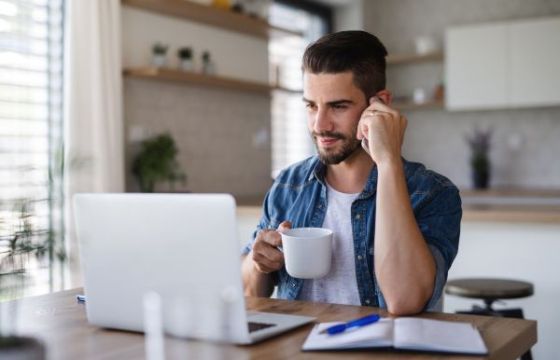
[(266, 256), (384, 128)]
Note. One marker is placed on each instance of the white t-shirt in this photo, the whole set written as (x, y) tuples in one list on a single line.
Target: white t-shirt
[(339, 286)]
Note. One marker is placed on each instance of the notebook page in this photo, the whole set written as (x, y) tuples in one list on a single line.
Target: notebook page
[(379, 334), (436, 335)]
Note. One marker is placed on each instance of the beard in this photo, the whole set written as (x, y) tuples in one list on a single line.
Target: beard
[(347, 147)]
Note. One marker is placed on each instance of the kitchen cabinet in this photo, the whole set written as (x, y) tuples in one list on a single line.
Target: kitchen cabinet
[(475, 70), (503, 65), (514, 250), (535, 59)]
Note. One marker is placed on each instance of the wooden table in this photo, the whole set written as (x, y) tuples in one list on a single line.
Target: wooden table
[(61, 323)]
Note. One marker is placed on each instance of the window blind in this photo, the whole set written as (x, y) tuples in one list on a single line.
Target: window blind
[(31, 126), (291, 141)]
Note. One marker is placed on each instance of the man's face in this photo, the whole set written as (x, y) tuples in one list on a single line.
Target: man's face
[(334, 107)]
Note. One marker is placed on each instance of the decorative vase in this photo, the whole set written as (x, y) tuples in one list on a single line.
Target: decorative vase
[(481, 179)]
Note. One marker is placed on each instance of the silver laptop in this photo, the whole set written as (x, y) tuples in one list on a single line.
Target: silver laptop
[(183, 247)]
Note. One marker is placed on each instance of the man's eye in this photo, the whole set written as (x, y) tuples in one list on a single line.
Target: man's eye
[(310, 106), (339, 107)]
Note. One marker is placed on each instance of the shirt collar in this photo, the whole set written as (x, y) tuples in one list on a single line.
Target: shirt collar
[(320, 170)]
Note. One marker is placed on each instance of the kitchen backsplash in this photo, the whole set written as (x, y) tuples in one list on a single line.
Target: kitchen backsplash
[(524, 152), (222, 135)]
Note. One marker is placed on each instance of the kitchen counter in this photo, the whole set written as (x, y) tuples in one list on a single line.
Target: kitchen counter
[(512, 205), (512, 213), (493, 205)]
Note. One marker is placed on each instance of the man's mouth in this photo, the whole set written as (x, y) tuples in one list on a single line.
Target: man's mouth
[(327, 140)]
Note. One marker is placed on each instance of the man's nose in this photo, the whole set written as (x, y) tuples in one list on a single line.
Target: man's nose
[(322, 122)]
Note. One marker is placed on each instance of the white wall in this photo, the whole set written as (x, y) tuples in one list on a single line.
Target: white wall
[(349, 16), (528, 252)]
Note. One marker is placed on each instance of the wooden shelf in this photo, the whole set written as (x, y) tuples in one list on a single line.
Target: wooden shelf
[(414, 58), (422, 106), (213, 16), (192, 78), (163, 74)]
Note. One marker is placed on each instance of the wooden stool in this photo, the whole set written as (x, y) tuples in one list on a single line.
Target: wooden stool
[(491, 290)]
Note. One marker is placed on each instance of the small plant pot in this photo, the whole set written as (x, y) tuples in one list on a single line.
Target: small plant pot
[(21, 348), (158, 60), (481, 179), (187, 65)]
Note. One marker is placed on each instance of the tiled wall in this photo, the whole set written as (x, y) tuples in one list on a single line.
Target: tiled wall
[(223, 136), (436, 137)]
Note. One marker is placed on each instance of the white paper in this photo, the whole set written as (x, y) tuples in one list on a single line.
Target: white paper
[(437, 335)]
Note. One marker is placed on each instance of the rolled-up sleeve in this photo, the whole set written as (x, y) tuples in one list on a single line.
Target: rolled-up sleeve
[(440, 224), (264, 223)]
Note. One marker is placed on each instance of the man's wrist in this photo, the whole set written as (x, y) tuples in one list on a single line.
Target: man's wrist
[(390, 164), (258, 273)]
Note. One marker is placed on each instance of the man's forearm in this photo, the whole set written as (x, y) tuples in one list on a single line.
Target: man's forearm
[(255, 283), (404, 265)]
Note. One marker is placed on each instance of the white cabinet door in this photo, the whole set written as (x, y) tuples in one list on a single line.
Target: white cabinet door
[(475, 67), (535, 62)]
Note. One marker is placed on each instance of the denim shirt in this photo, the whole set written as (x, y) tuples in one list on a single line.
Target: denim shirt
[(299, 195)]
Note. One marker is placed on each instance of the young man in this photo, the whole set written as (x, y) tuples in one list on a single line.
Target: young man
[(396, 224)]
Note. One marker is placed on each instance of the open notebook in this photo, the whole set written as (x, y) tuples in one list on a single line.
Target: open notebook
[(405, 333)]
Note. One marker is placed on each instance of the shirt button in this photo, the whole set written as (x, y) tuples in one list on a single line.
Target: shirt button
[(367, 301), (358, 217), (359, 257)]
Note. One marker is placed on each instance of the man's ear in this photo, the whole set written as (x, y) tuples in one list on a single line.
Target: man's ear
[(386, 96)]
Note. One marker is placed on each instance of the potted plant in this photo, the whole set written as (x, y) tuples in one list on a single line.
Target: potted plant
[(208, 66), (157, 162), (159, 52), (20, 243), (186, 58), (479, 143)]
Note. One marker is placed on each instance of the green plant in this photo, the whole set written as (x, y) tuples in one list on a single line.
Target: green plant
[(157, 162), (159, 49), (20, 242), (185, 53)]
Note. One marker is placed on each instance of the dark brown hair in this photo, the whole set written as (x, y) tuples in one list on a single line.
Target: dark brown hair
[(356, 51)]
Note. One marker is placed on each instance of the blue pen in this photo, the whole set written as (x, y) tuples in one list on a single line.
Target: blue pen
[(337, 329)]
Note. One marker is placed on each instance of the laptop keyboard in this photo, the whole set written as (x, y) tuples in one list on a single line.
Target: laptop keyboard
[(254, 326)]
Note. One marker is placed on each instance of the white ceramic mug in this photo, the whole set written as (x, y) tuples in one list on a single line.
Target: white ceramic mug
[(307, 252)]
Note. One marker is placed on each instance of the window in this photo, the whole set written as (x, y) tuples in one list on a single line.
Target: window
[(290, 137), (31, 152)]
